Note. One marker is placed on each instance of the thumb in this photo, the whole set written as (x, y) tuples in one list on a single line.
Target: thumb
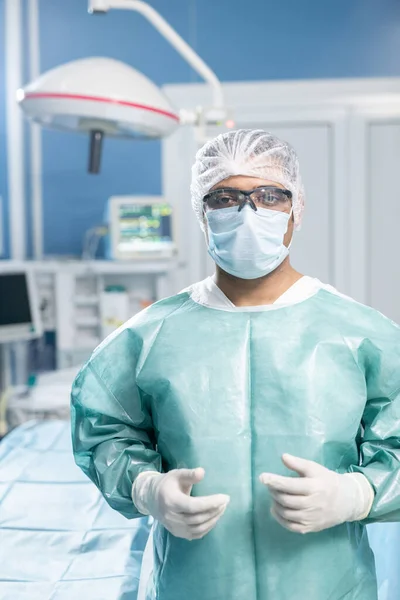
[(301, 466), (187, 478)]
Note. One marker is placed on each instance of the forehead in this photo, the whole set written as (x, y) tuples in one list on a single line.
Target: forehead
[(243, 182)]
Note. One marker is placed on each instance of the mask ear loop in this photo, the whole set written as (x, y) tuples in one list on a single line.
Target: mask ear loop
[(290, 216)]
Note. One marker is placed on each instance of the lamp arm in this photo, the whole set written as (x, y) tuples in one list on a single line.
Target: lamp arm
[(165, 29)]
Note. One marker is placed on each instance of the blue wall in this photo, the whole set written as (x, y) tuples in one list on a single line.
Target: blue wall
[(241, 40)]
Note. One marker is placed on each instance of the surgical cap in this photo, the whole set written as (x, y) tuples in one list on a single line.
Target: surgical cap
[(251, 152)]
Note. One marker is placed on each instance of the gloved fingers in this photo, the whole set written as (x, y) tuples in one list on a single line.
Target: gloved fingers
[(289, 500), (297, 486), (199, 531), (180, 528), (190, 505), (187, 478), (305, 468), (289, 525), (294, 516), (203, 517)]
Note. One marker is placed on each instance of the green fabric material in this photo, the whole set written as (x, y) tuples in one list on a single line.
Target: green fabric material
[(182, 385)]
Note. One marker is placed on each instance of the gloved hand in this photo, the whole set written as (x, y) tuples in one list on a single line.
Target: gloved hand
[(319, 498), (166, 497)]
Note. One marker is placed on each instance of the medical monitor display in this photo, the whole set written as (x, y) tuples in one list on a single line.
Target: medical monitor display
[(142, 229)]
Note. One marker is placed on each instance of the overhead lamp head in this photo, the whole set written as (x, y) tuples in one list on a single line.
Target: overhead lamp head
[(101, 97)]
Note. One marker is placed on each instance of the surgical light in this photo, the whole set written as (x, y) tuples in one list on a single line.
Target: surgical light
[(104, 97), (99, 96)]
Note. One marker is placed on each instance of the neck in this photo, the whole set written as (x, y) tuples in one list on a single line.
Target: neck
[(257, 292)]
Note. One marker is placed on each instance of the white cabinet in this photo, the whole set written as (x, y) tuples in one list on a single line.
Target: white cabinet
[(72, 299), (383, 217)]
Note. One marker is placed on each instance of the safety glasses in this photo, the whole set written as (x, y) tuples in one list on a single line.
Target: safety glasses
[(271, 197)]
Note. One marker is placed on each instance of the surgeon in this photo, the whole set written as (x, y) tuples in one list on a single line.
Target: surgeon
[(256, 415)]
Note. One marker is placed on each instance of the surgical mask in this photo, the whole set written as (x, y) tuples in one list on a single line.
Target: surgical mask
[(247, 244)]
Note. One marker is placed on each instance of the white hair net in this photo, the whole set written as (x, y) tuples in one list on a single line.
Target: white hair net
[(251, 152)]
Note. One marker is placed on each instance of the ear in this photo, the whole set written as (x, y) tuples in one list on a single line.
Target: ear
[(204, 227)]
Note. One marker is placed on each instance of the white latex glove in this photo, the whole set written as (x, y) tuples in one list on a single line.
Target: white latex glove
[(319, 498), (166, 497)]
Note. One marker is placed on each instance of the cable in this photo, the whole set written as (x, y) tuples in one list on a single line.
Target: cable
[(91, 241), (3, 411)]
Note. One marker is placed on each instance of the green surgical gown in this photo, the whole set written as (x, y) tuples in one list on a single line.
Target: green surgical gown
[(182, 385)]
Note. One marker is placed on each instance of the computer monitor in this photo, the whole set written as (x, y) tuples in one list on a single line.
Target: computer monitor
[(19, 308), (141, 227)]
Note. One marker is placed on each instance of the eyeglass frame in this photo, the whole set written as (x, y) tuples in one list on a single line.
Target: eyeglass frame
[(247, 195)]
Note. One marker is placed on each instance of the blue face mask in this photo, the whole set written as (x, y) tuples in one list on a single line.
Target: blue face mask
[(247, 244)]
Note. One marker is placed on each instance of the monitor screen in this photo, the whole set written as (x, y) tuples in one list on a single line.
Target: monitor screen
[(16, 318), (144, 227), (14, 299)]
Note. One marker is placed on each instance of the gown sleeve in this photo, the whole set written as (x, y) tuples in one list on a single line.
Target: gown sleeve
[(112, 430), (380, 443)]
